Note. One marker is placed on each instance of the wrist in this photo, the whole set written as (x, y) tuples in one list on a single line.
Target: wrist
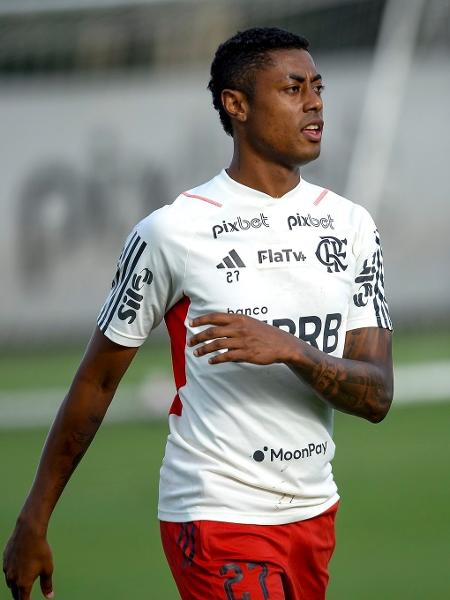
[(31, 523), (292, 354)]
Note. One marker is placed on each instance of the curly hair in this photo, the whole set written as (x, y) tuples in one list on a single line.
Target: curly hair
[(236, 61)]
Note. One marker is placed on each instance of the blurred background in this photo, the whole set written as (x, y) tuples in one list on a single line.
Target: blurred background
[(104, 117)]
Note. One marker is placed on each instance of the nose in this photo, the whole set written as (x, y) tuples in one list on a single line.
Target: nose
[(312, 100)]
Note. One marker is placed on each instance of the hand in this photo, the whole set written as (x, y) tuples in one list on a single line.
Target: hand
[(26, 557), (245, 340)]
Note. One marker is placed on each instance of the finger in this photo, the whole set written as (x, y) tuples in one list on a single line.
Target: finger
[(209, 334), (230, 356), (5, 572), (47, 584), (24, 592), (216, 318), (14, 591), (8, 579), (214, 346)]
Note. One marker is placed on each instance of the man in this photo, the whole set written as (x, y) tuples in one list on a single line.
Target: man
[(272, 291)]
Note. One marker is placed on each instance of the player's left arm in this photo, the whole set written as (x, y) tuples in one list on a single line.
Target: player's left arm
[(360, 383)]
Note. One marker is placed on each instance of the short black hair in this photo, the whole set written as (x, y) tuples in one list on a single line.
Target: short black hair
[(236, 61)]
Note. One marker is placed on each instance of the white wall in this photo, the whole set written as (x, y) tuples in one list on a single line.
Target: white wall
[(82, 161)]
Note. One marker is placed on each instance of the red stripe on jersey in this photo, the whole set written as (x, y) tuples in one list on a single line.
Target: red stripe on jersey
[(175, 319), (320, 197), (202, 198)]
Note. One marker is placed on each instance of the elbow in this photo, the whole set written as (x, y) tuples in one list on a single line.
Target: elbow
[(380, 408), (377, 416)]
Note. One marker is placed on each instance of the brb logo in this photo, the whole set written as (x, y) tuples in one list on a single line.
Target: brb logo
[(312, 449), (240, 224), (310, 329), (132, 299), (309, 221), (330, 253)]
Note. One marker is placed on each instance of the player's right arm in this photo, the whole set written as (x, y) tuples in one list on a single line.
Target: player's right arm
[(148, 281), (27, 555)]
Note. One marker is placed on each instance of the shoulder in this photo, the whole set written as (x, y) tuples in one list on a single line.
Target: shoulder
[(344, 207), (183, 216)]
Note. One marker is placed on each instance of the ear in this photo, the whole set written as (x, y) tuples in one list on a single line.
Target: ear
[(235, 104)]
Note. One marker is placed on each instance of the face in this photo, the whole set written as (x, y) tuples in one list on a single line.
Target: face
[(282, 122)]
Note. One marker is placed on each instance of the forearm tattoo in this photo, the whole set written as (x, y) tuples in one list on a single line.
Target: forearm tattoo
[(74, 447), (360, 384)]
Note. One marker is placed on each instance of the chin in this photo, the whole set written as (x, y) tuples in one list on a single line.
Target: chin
[(306, 157)]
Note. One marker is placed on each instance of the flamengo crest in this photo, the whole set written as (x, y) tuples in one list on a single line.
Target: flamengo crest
[(331, 252)]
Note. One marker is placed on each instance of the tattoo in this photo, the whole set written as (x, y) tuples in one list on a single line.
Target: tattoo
[(75, 447), (361, 382)]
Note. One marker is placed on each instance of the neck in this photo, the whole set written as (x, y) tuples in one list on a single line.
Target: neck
[(253, 171)]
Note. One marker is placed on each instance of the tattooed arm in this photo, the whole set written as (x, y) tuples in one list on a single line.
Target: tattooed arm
[(27, 555), (360, 383)]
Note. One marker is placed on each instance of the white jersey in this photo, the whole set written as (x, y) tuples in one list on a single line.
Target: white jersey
[(248, 444)]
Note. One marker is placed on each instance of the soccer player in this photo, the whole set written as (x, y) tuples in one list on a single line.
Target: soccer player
[(272, 290)]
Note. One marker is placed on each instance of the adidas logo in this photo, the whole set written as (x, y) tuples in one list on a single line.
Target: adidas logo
[(231, 261)]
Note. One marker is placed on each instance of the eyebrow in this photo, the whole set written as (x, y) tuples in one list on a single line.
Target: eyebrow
[(302, 79)]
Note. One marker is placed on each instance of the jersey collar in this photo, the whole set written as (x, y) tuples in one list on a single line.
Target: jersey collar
[(250, 193)]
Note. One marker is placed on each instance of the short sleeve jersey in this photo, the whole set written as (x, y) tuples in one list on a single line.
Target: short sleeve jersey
[(248, 444)]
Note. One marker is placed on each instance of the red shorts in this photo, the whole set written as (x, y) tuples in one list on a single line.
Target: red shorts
[(212, 560)]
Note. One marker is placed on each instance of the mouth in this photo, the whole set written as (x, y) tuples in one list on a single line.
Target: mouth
[(313, 131)]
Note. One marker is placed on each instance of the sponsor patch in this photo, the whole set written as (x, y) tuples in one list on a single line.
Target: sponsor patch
[(279, 256), (284, 454), (298, 220), (240, 224)]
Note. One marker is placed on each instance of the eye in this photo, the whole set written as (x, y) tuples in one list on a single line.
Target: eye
[(293, 89), (319, 89)]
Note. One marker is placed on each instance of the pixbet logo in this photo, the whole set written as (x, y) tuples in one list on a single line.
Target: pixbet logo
[(273, 454), (279, 256), (240, 224), (309, 221), (132, 299)]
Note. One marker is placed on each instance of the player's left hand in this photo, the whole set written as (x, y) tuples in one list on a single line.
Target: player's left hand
[(242, 339)]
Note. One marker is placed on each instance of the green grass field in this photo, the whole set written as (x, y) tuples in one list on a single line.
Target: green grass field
[(392, 527), (55, 367)]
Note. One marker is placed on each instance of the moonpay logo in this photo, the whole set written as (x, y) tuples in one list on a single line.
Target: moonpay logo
[(283, 454)]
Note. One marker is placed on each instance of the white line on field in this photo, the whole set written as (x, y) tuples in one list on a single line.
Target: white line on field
[(414, 383)]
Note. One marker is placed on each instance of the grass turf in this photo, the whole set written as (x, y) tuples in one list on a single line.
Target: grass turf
[(54, 368), (392, 525)]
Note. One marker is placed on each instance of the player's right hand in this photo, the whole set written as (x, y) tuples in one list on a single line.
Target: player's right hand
[(27, 556)]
